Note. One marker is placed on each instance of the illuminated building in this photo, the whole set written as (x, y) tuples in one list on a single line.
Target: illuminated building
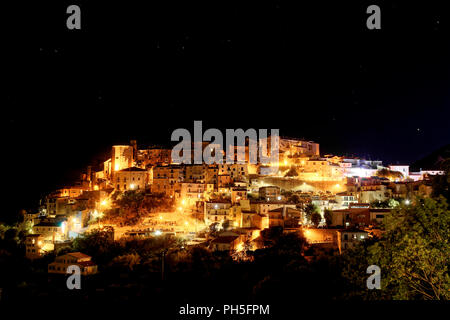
[(348, 239), (358, 215), (153, 156), (254, 220), (196, 173), (284, 217), (403, 169), (237, 171), (79, 259), (225, 243), (218, 211), (263, 207), (269, 192), (166, 179), (122, 157), (193, 192), (72, 192), (344, 199), (223, 180), (131, 179), (36, 246), (238, 194)]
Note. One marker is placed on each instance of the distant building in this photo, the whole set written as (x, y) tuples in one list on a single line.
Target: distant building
[(225, 243), (349, 238), (131, 179), (297, 147), (194, 192), (358, 215), (122, 157), (51, 230), (238, 194), (344, 199), (269, 193), (285, 217), (79, 259), (36, 246), (153, 156), (216, 211), (166, 179), (403, 169), (263, 207)]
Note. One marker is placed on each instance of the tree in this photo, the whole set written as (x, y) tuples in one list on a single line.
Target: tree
[(291, 173), (316, 218), (441, 183), (295, 199), (390, 174), (98, 244), (414, 253), (227, 224), (126, 261), (309, 210), (328, 215)]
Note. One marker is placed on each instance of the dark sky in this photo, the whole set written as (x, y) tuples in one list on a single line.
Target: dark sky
[(139, 69)]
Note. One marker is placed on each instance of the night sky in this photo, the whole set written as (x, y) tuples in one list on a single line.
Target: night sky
[(140, 69)]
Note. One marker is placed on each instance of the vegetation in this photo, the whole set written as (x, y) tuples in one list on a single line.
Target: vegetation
[(328, 217), (291, 173), (310, 208), (131, 206), (389, 174), (316, 218), (390, 203), (413, 254)]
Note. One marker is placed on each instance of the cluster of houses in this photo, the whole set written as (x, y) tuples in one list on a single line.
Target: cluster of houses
[(236, 200)]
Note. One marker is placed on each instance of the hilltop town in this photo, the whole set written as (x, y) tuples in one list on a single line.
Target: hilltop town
[(140, 193)]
